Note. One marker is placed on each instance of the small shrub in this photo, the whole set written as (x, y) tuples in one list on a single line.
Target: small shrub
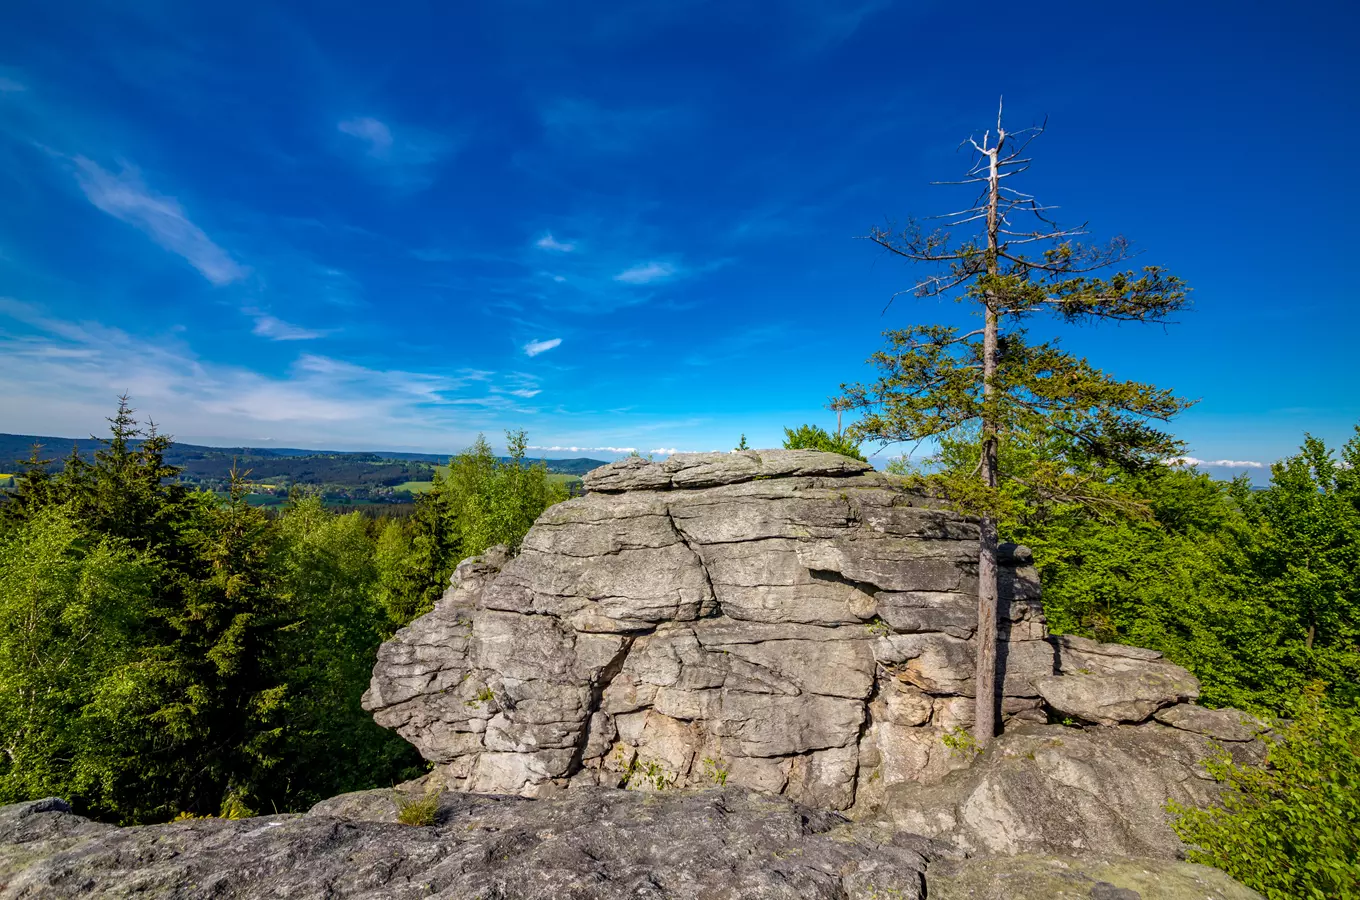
[(715, 771), (652, 773), (878, 627), (1289, 829), (235, 808), (961, 743), (418, 811), (485, 695)]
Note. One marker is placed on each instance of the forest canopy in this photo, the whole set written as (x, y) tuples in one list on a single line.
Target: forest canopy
[(167, 651)]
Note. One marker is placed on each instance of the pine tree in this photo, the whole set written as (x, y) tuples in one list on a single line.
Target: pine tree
[(33, 489), (936, 380)]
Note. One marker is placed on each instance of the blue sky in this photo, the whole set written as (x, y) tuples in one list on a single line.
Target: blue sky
[(632, 225)]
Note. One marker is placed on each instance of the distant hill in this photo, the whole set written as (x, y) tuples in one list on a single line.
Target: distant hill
[(209, 465)]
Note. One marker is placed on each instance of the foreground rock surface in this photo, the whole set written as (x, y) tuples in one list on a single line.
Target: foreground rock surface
[(595, 843), (1050, 789), (1062, 878)]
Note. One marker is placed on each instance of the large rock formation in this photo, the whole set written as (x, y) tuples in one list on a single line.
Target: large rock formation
[(788, 621), (594, 844)]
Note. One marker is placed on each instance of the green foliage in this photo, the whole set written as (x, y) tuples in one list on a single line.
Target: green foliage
[(877, 627), (651, 774), (329, 579), (1290, 829), (961, 743), (741, 444), (1306, 552), (70, 607), (937, 381), (1208, 572), (168, 651), (812, 437), (715, 771), (171, 651), (422, 810), (483, 501)]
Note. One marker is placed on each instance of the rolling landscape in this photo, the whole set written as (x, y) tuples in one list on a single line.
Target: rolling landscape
[(839, 456), (387, 482)]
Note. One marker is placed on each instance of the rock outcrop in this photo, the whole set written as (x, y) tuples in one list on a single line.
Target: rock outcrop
[(1050, 789), (594, 844), (787, 621)]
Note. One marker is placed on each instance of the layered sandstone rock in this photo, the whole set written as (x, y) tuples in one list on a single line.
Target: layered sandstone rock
[(789, 621)]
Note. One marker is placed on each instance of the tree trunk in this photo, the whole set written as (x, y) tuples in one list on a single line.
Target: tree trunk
[(985, 664)]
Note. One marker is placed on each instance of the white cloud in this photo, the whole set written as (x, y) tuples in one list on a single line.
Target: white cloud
[(278, 330), (60, 377), (585, 449), (646, 273), (125, 197), (663, 451), (526, 393), (533, 348), (548, 242), (400, 156), (10, 86), (377, 134), (1222, 463)]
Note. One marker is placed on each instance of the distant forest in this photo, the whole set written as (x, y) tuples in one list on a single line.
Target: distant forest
[(340, 477)]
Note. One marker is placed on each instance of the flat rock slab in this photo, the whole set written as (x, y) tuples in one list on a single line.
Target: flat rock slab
[(1130, 695), (598, 844), (1220, 724), (1065, 878), (694, 470)]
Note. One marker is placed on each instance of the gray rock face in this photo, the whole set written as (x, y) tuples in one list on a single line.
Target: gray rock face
[(597, 844), (593, 844), (1050, 789), (1109, 684), (1220, 724), (787, 621), (1062, 878)]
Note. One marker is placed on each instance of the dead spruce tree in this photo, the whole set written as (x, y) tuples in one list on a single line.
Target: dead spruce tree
[(939, 381)]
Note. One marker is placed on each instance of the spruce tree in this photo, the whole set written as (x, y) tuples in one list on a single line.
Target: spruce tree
[(1013, 265)]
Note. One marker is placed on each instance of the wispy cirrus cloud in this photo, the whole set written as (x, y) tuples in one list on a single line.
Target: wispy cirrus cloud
[(1220, 463), (548, 242), (57, 376), (646, 273), (276, 329), (371, 131), (533, 348), (560, 449), (11, 86), (402, 155), (127, 198)]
